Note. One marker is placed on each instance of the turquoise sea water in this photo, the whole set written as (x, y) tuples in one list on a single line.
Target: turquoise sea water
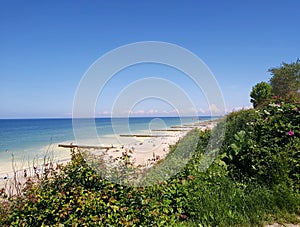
[(30, 137)]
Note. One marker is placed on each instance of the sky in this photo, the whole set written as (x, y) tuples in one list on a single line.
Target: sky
[(46, 48)]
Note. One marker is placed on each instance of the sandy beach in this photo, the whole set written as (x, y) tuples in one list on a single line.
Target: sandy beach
[(146, 150)]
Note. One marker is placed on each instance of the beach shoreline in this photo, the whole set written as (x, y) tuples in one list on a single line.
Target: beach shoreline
[(146, 151), (152, 148)]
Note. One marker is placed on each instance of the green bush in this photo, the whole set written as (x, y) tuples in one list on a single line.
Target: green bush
[(263, 145)]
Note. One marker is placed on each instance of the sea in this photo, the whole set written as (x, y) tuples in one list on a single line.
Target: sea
[(26, 140)]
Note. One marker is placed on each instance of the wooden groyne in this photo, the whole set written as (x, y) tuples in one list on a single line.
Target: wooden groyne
[(182, 126), (169, 130), (145, 135), (84, 147)]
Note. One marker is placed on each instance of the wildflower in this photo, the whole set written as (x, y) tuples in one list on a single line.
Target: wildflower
[(275, 97), (291, 133), (275, 105)]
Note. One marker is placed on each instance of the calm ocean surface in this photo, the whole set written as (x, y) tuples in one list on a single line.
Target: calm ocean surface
[(30, 137)]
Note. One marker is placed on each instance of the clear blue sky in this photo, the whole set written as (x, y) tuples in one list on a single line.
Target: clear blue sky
[(46, 46)]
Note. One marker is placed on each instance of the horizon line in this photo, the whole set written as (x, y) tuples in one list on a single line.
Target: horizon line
[(99, 117)]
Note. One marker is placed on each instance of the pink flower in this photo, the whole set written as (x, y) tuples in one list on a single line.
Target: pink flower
[(291, 133)]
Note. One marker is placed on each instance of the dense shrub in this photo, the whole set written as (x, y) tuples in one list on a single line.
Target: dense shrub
[(263, 145)]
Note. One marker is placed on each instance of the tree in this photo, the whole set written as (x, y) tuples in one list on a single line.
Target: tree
[(285, 81), (260, 93)]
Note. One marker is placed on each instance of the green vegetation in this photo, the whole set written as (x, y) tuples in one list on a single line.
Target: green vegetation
[(284, 85), (285, 81), (260, 94), (254, 180)]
